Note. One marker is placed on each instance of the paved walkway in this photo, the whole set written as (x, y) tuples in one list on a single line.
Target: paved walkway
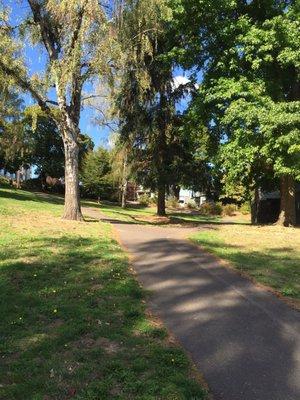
[(244, 340)]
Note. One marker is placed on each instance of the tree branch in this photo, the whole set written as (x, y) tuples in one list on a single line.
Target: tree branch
[(49, 37), (25, 85), (94, 96), (77, 29), (55, 103)]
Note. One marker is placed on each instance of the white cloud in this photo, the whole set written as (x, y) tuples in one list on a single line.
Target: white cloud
[(180, 80)]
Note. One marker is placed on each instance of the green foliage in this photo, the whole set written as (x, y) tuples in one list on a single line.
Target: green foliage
[(145, 200), (146, 100), (191, 204), (172, 202), (245, 208), (229, 209), (210, 208), (249, 97), (96, 174), (4, 182), (47, 150)]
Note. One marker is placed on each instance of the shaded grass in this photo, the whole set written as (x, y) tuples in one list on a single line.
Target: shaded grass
[(73, 321), (269, 254)]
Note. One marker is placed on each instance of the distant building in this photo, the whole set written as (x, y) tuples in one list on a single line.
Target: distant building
[(187, 195), (24, 174)]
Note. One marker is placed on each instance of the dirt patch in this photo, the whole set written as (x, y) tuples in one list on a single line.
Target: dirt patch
[(87, 342), (109, 346)]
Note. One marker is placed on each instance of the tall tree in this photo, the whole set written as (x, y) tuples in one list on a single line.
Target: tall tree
[(96, 174), (249, 55), (121, 164), (46, 145), (146, 102), (74, 35), (11, 106)]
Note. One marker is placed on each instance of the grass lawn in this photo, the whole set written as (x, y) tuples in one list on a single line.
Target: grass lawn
[(73, 318), (270, 254), (115, 211), (135, 214)]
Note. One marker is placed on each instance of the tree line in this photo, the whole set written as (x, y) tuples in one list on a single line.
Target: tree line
[(239, 127)]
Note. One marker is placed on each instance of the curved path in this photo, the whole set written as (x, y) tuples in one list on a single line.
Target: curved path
[(244, 340)]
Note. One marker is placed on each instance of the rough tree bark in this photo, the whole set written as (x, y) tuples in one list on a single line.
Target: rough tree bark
[(161, 200), (18, 179), (287, 215), (124, 181), (176, 191), (255, 207), (72, 209)]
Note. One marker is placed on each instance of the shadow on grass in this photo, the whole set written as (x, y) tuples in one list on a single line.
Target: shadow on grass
[(20, 195), (73, 325)]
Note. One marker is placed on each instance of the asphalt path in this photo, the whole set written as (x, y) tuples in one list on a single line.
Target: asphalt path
[(244, 340)]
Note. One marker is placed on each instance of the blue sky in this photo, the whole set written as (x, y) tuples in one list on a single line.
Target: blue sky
[(35, 60)]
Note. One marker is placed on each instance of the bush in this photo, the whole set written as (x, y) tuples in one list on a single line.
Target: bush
[(191, 204), (172, 202), (4, 182), (210, 208), (145, 200), (153, 200), (229, 209), (245, 208), (32, 184)]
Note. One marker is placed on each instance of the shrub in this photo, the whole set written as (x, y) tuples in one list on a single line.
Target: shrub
[(4, 182), (172, 202), (153, 200), (145, 200), (229, 209), (210, 208), (32, 184), (191, 204), (245, 208)]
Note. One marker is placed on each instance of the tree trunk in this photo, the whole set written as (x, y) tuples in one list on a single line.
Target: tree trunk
[(176, 191), (287, 215), (72, 208), (161, 201), (255, 207), (124, 193), (18, 179), (124, 181)]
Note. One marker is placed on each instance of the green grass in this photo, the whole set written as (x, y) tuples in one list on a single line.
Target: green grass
[(114, 211), (135, 214), (73, 321), (269, 254)]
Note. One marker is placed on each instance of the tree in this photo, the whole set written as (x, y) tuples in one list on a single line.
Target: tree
[(121, 166), (46, 144), (249, 53), (146, 101), (10, 133), (74, 37), (96, 174)]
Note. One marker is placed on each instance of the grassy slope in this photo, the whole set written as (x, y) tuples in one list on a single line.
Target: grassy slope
[(270, 254), (73, 321)]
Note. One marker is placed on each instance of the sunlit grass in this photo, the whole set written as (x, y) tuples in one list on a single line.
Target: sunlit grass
[(270, 254), (73, 322)]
